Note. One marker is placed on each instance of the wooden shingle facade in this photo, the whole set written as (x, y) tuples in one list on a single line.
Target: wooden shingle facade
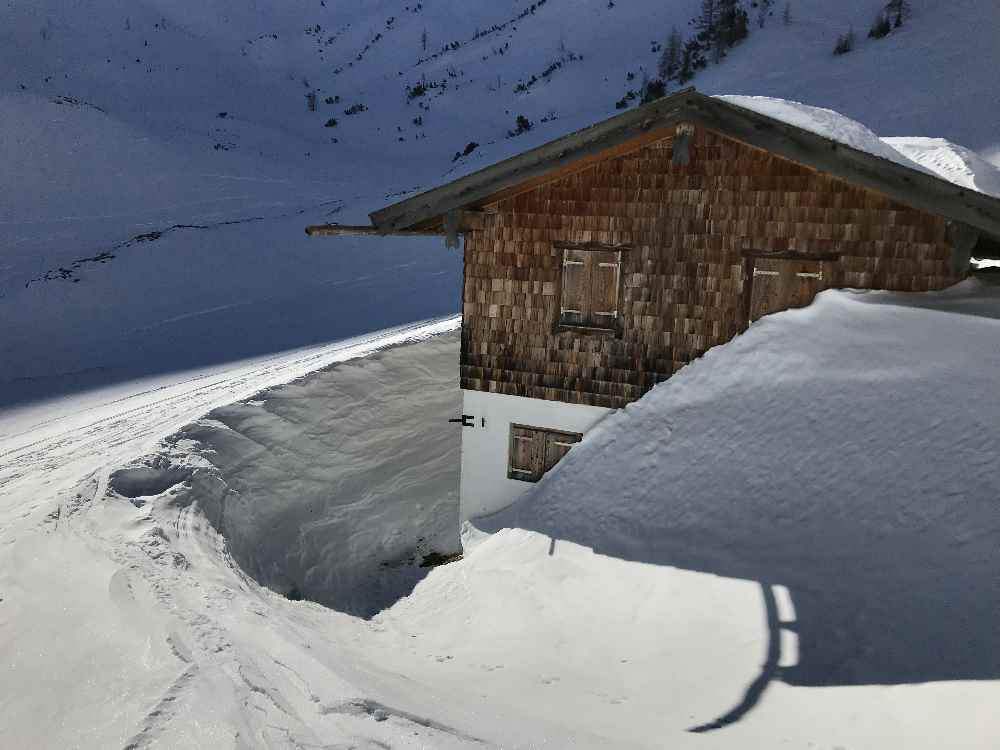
[(690, 238)]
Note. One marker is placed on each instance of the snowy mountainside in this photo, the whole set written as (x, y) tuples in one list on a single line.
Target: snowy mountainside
[(160, 158)]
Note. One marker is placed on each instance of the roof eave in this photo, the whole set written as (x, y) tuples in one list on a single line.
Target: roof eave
[(903, 184)]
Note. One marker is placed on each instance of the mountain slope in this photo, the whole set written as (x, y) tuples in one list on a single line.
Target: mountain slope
[(125, 120)]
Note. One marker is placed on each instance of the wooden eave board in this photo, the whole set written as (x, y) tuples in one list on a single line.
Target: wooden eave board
[(650, 122)]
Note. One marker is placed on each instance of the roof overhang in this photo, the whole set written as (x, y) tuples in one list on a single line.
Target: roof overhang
[(658, 119)]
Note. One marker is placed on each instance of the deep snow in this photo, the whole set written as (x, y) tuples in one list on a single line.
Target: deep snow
[(336, 487), (845, 450), (114, 135), (159, 163), (790, 541)]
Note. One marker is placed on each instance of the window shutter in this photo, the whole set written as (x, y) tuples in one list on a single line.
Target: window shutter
[(575, 288), (535, 450), (557, 445), (591, 279), (526, 446), (605, 268)]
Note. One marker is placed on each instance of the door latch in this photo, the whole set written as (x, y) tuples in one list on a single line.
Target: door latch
[(467, 420)]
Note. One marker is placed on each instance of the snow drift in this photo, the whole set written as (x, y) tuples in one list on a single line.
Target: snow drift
[(333, 488), (848, 451)]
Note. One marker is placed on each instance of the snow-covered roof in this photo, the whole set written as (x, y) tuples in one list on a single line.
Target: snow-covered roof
[(935, 156), (818, 138)]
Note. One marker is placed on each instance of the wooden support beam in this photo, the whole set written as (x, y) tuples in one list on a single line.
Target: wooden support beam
[(459, 222), (353, 230)]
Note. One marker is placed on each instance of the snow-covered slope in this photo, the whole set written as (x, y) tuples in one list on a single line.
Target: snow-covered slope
[(845, 450), (160, 160), (111, 634), (789, 542), (319, 486)]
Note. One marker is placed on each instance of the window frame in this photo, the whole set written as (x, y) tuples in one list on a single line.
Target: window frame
[(535, 475), (615, 327)]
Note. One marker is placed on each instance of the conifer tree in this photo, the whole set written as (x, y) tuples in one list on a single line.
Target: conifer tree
[(763, 11), (707, 26), (898, 11), (733, 24), (692, 60), (670, 59)]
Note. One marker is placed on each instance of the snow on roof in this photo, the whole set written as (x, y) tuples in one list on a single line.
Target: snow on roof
[(935, 156), (954, 163)]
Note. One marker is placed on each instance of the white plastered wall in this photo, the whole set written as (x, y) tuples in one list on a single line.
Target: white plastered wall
[(485, 487)]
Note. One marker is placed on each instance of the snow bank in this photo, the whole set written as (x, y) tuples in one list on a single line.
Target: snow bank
[(333, 488), (847, 451)]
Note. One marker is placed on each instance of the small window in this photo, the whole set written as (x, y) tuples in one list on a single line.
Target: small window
[(533, 451), (591, 279)]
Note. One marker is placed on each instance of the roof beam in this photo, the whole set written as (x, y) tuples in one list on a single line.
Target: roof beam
[(357, 230), (461, 222)]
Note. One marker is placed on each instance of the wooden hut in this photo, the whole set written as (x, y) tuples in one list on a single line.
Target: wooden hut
[(599, 264)]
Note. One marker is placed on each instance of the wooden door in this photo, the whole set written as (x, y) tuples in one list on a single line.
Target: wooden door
[(782, 283)]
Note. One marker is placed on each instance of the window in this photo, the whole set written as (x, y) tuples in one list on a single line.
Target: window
[(591, 278), (533, 451)]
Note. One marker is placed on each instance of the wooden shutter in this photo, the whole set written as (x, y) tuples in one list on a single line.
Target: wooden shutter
[(575, 307), (535, 450), (526, 448), (605, 267), (591, 279), (557, 445)]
